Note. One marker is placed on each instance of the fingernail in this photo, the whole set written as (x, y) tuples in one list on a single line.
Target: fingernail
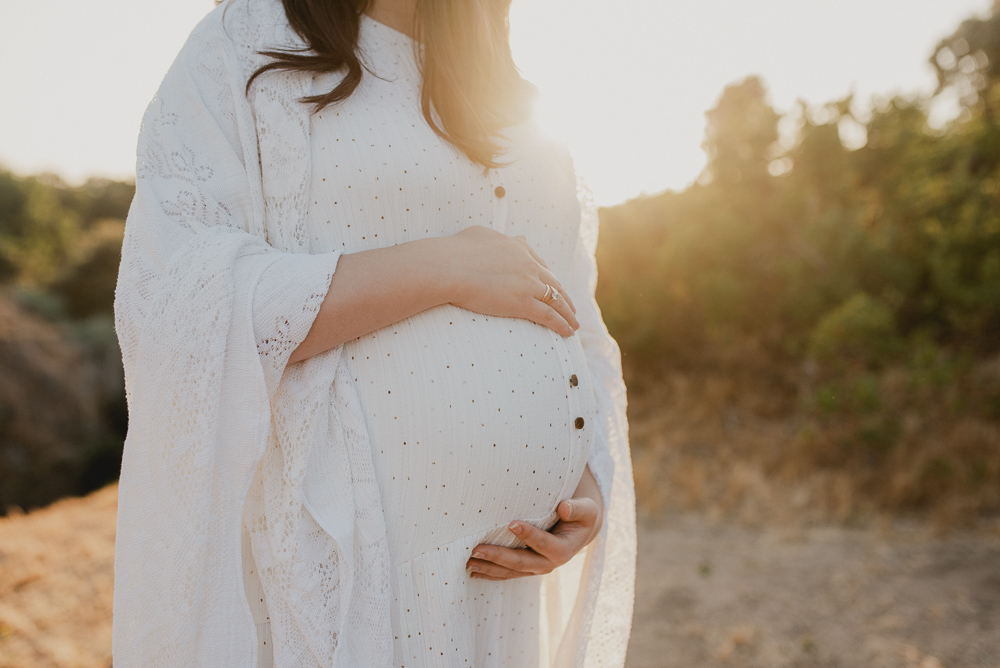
[(472, 569), (477, 555), (515, 528)]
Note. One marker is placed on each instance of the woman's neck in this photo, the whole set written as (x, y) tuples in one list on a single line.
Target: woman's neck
[(397, 14)]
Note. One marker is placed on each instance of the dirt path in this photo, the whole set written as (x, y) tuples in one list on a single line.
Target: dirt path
[(708, 595), (830, 597)]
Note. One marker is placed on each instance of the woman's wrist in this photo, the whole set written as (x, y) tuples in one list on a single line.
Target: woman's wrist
[(444, 277)]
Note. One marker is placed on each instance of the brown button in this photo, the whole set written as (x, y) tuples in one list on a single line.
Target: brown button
[(579, 423), (573, 382), (500, 191)]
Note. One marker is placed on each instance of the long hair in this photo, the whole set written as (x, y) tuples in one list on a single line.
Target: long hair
[(471, 90)]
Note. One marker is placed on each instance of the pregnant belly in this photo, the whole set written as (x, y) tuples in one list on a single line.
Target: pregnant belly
[(474, 421)]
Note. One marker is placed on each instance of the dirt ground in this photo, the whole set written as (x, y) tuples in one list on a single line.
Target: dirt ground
[(710, 593), (828, 597)]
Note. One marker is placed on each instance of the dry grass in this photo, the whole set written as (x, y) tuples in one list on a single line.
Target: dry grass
[(755, 449), (56, 584)]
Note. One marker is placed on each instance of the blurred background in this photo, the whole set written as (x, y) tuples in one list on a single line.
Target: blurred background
[(799, 257)]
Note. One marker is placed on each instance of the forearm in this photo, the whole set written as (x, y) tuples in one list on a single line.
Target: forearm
[(375, 288)]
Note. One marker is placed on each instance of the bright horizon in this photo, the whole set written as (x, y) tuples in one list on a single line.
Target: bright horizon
[(624, 85)]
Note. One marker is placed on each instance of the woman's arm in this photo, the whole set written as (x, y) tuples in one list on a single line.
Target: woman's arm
[(374, 288), (478, 269)]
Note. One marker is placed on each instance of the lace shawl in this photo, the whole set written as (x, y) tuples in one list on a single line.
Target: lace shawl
[(216, 288)]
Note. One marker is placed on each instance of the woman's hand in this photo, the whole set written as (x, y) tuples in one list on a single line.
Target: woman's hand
[(494, 274), (580, 519)]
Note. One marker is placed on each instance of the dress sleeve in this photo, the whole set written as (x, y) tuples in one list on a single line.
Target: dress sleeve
[(285, 303), (601, 350), (198, 188), (207, 313), (609, 574)]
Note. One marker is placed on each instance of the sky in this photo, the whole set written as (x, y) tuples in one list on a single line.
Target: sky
[(624, 84)]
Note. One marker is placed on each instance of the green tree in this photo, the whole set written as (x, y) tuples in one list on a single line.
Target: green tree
[(968, 60), (741, 132)]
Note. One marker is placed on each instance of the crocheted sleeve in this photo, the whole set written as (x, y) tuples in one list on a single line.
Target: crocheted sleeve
[(605, 608), (207, 313)]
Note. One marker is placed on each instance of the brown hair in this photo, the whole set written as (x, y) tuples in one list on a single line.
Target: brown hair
[(471, 88)]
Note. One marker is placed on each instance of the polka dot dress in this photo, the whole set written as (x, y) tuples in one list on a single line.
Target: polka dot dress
[(474, 420)]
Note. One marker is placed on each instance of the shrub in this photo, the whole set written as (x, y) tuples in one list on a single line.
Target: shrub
[(87, 286), (862, 329)]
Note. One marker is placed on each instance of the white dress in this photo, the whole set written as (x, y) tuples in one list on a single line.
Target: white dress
[(223, 271), (473, 420)]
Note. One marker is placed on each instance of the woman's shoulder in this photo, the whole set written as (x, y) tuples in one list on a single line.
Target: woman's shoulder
[(245, 27)]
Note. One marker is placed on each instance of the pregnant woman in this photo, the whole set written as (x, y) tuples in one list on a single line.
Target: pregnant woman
[(375, 416)]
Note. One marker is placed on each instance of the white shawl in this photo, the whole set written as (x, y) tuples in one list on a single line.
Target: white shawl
[(221, 432)]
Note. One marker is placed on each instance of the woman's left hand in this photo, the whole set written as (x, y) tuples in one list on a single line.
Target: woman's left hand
[(580, 519)]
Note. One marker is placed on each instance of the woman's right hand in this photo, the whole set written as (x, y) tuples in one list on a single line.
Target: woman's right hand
[(494, 274)]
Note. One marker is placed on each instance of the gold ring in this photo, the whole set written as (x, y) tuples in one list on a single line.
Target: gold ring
[(546, 298)]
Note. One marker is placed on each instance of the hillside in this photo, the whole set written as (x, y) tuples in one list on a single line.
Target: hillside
[(54, 438)]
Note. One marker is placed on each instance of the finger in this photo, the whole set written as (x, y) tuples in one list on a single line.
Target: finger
[(548, 277), (493, 571), (562, 307), (577, 510), (523, 561), (541, 313), (542, 542)]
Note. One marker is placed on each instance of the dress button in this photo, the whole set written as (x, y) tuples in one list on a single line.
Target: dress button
[(500, 192), (573, 382), (579, 423)]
